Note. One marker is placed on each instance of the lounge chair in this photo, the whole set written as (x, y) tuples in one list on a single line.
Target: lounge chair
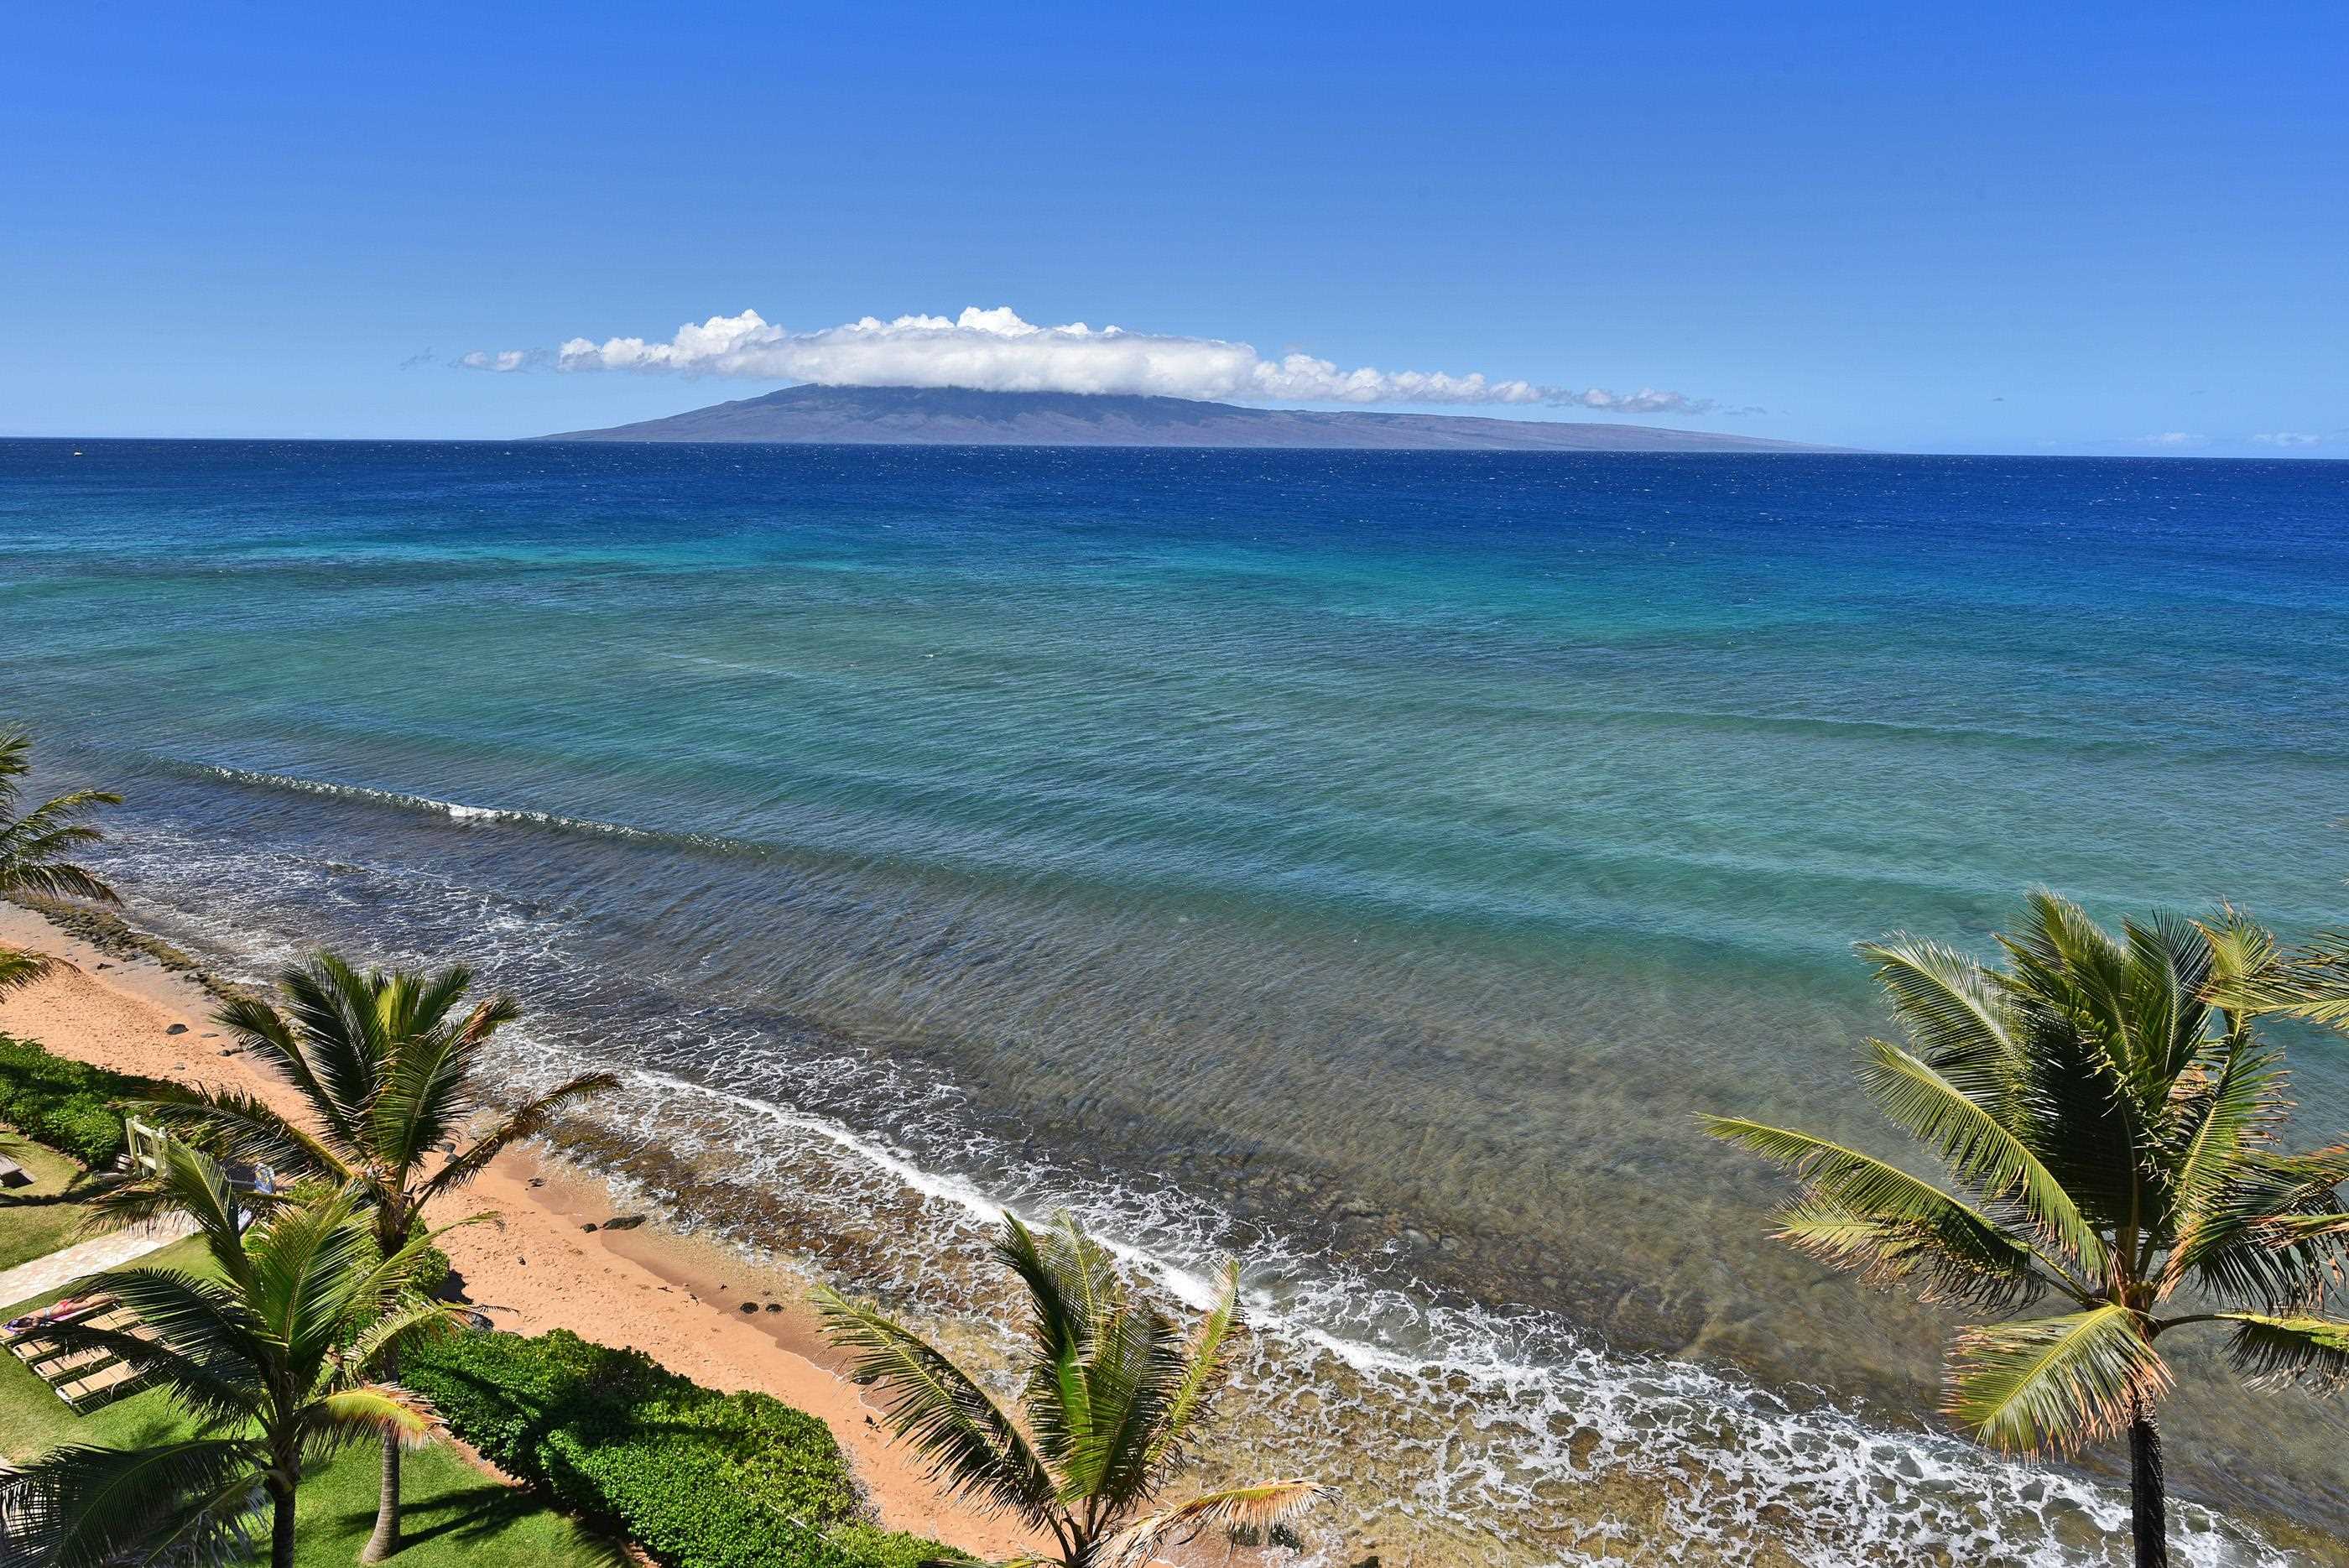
[(105, 1384), (86, 1376), (65, 1364), (72, 1309)]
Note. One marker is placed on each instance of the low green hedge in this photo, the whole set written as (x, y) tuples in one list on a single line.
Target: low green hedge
[(65, 1103), (697, 1477)]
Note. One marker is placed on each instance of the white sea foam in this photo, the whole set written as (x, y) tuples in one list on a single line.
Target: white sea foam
[(457, 811)]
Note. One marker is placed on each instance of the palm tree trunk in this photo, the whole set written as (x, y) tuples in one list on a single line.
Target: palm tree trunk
[(2149, 1499), (280, 1526), (386, 1538)]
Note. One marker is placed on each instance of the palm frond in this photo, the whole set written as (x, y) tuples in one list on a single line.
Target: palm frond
[(425, 1002), (2235, 1114), (1984, 1151), (1864, 1214), (305, 1262), (2244, 962), (386, 1298), (338, 1012), (194, 1185), (2053, 1382), (2312, 1351), (2080, 1115), (2308, 1226), (1065, 1283), (16, 761), (1205, 1366), (1131, 1376), (1941, 1263), (405, 1321), (2168, 974), (233, 1124), (373, 1411), (33, 847), (266, 1035), (56, 879), (2311, 983), (418, 1108), (1959, 1019), (81, 1507), (523, 1125), (2261, 1238), (19, 969), (968, 1439), (427, 1087), (2060, 950), (1255, 1508), (58, 811)]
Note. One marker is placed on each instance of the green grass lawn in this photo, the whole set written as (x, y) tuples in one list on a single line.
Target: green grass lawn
[(457, 1515), (37, 1220)]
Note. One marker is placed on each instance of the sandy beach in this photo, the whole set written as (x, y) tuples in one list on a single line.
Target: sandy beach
[(531, 1265)]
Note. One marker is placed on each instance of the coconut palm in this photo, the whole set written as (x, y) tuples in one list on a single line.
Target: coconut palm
[(387, 1063), (271, 1360), (33, 847), (1113, 1391), (2112, 1127)]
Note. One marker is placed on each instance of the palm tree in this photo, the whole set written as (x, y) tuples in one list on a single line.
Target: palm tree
[(2111, 1123), (387, 1063), (1113, 1392), (34, 846), (271, 1360)]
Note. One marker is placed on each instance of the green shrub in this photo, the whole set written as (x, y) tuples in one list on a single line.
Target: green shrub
[(65, 1103), (432, 1271), (717, 1480), (869, 1546), (697, 1477)]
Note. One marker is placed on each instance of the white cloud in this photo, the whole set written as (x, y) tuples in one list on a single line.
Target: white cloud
[(995, 350), (501, 360), (2288, 437), (2170, 439)]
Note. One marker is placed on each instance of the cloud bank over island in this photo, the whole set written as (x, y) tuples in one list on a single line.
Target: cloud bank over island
[(995, 350)]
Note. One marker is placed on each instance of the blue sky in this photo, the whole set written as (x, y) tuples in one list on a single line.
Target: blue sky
[(1930, 228)]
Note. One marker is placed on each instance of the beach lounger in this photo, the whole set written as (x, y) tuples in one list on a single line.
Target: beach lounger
[(107, 1384), (69, 1365), (37, 1346), (70, 1310), (83, 1376)]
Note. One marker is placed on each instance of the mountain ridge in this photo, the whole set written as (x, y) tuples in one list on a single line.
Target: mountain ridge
[(953, 416)]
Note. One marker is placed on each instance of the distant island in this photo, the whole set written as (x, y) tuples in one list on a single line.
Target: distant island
[(949, 416)]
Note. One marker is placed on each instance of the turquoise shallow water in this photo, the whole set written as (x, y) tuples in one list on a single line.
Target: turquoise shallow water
[(1369, 860)]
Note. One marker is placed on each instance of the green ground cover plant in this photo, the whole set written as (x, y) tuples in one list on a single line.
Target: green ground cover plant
[(69, 1105), (699, 1479)]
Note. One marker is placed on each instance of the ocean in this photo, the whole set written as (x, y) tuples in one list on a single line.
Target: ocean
[(1368, 864)]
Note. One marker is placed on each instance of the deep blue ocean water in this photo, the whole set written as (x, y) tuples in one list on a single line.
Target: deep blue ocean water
[(1370, 861)]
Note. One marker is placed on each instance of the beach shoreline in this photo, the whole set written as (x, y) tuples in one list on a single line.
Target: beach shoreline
[(532, 1263), (656, 1284)]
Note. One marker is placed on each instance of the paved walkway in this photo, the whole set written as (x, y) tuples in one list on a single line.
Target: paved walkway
[(57, 1270)]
